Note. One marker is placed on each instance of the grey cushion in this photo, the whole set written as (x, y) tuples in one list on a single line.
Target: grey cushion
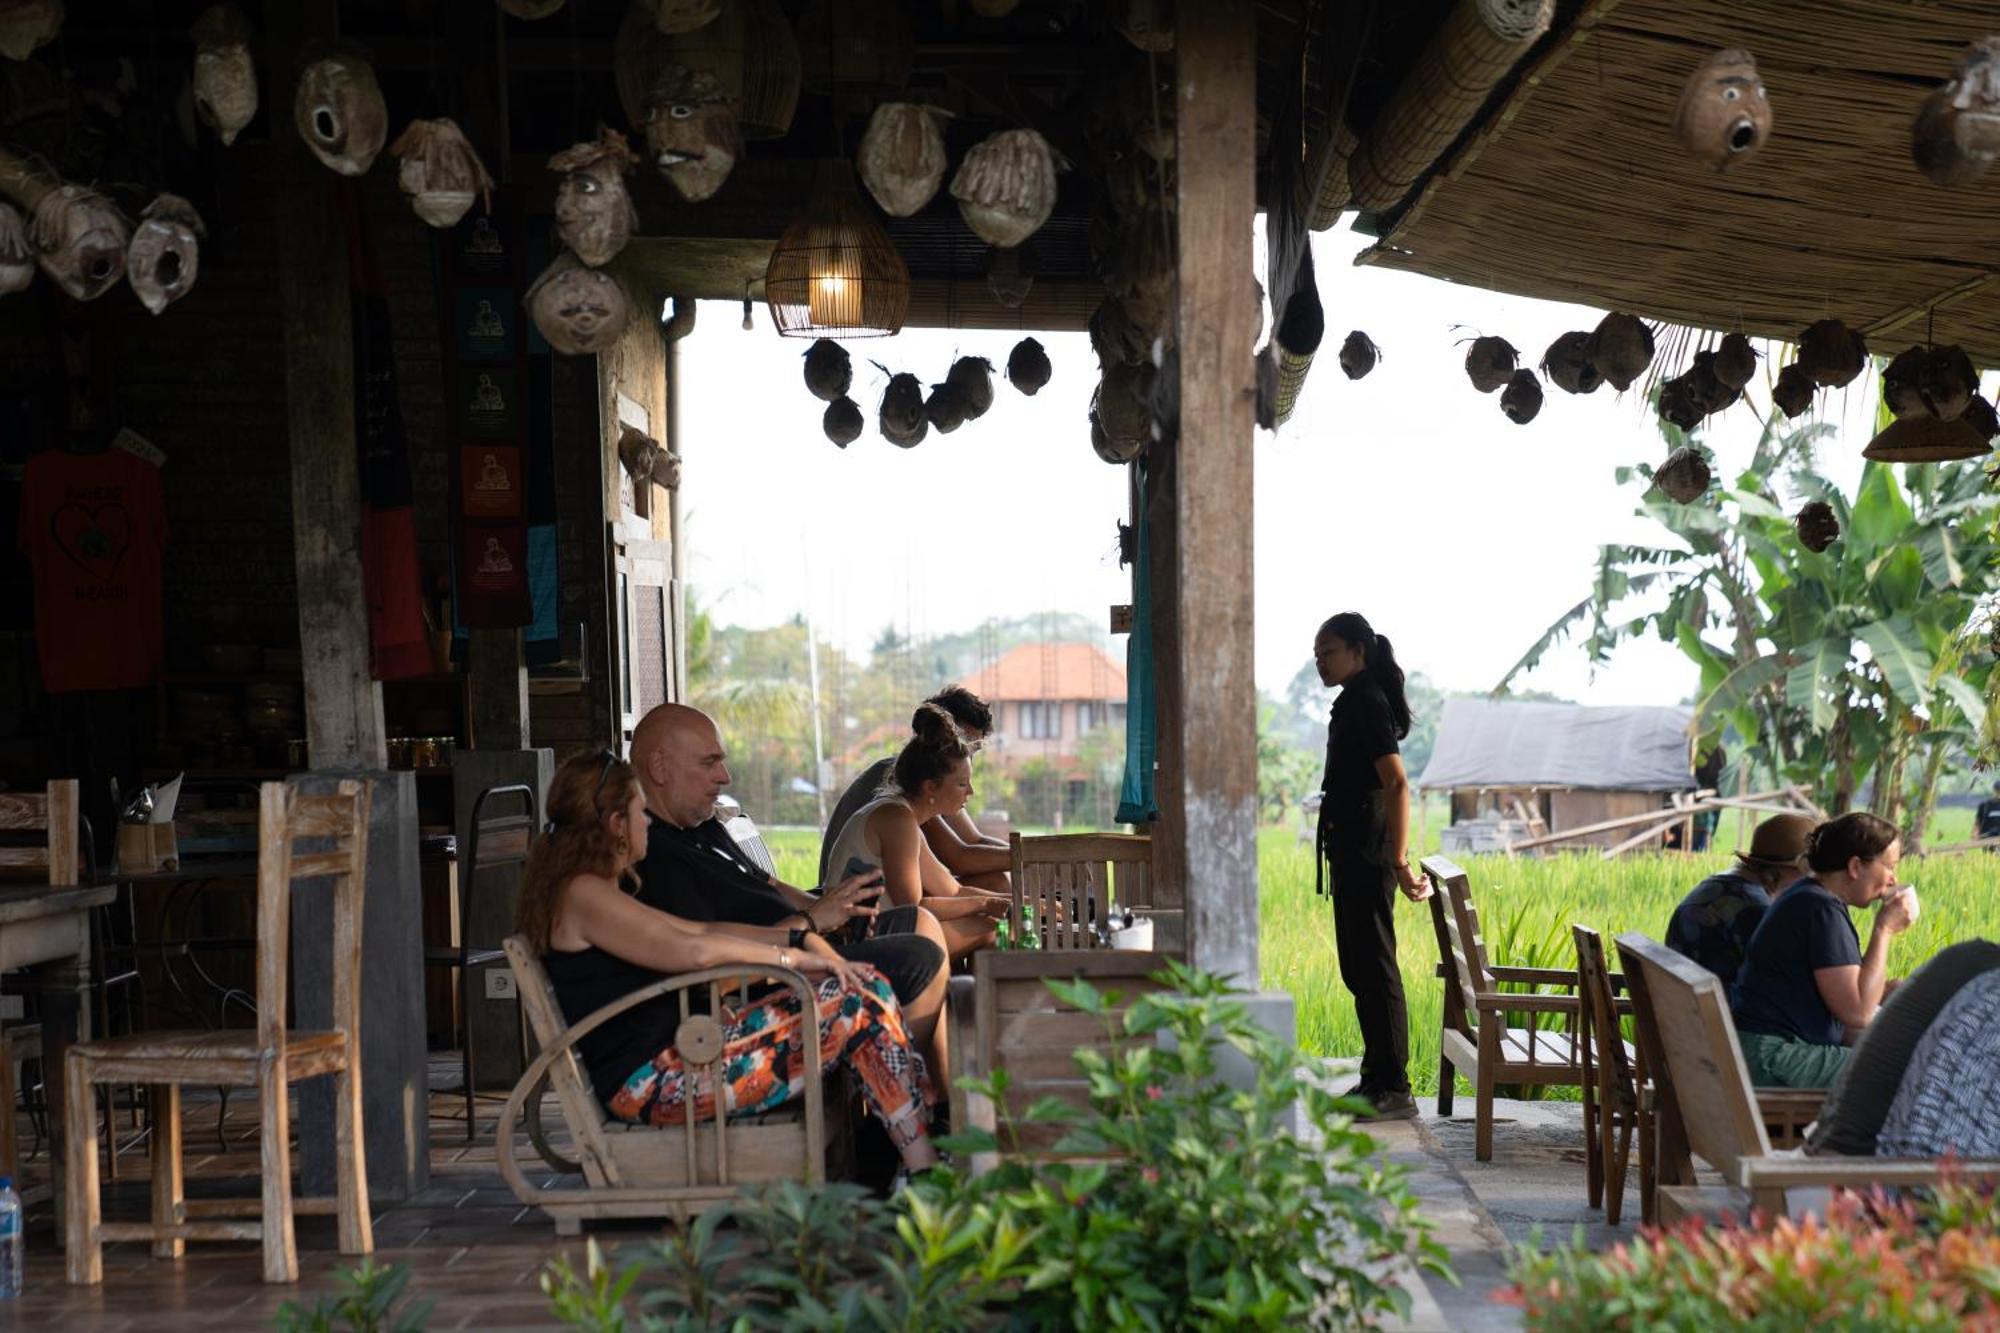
[(1859, 1100)]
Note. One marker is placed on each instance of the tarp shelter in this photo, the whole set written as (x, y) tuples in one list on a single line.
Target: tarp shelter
[(1565, 765)]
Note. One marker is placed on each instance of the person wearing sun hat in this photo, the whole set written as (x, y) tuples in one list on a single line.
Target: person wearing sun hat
[(1713, 924)]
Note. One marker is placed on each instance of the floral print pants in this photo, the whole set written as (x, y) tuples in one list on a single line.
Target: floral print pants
[(762, 1064)]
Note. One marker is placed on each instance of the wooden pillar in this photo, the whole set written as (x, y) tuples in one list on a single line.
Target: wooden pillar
[(1216, 713)]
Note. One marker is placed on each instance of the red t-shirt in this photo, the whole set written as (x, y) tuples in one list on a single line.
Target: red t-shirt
[(94, 527)]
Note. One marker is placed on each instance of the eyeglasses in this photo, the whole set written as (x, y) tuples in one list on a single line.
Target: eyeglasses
[(609, 759)]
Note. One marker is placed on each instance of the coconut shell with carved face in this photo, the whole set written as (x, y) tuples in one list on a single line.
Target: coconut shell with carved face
[(1521, 400), (17, 256), (164, 257), (1490, 363), (1946, 381), (829, 370), (902, 158), (1684, 477), (972, 377), (1678, 403), (441, 173), (1706, 387), (691, 130), (594, 211), (1358, 355), (1899, 382), (225, 74), (1568, 364), (842, 421), (1832, 354), (80, 239), (27, 25), (1621, 347), (1723, 114), (1817, 525), (1010, 274), (1979, 415), (1793, 393), (339, 112), (1006, 186), (580, 310), (1115, 337), (1122, 404), (1147, 24), (1735, 360), (1028, 367), (946, 408), (902, 418), (1956, 135)]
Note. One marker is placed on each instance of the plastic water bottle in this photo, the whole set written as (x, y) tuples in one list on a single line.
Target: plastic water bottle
[(10, 1240)]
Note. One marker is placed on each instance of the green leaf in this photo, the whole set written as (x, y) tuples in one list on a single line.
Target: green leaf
[(1969, 701), (1939, 549), (1905, 663), (1738, 687), (1881, 517), (1753, 505), (1809, 684)]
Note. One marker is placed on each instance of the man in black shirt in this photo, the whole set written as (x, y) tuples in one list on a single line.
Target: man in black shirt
[(694, 869), (1986, 819)]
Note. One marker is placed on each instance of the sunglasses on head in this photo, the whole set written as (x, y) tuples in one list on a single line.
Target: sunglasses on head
[(603, 772)]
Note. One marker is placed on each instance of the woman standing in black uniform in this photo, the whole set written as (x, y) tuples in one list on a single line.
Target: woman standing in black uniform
[(1364, 841)]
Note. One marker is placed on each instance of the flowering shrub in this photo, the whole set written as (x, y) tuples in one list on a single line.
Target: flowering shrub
[(1870, 1263)]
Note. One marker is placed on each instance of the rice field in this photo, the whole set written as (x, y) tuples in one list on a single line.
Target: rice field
[(1526, 908)]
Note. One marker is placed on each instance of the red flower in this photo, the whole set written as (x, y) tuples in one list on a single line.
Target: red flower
[(1154, 1092)]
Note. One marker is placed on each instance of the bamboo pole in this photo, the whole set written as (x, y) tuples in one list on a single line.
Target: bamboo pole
[(1631, 821)]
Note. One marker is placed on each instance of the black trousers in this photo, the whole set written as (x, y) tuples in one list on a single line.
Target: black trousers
[(1364, 930)]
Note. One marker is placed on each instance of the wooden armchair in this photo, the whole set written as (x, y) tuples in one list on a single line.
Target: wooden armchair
[(1016, 1023), (55, 862), (640, 1171), (1071, 881), (268, 1058), (1475, 1035), (1714, 1111), (1614, 1112)]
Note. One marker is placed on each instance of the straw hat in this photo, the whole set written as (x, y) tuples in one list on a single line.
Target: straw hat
[(1777, 842)]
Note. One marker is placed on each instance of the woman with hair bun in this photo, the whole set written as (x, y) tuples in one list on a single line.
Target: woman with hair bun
[(932, 778), (1807, 988), (1364, 841), (598, 943)]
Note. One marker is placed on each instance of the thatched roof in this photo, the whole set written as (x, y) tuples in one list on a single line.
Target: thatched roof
[(1571, 187)]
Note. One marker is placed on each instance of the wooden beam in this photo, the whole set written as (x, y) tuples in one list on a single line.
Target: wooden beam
[(344, 725), (1217, 714)]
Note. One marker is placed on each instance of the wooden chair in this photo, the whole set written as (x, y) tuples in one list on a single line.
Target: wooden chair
[(1475, 1035), (637, 1170), (1016, 1023), (57, 861), (334, 832), (1613, 1110), (1071, 881), (1702, 1077), (1663, 1147)]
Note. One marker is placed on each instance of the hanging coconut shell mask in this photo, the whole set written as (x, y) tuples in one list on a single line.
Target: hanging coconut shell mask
[(440, 172), (678, 16), (829, 370), (841, 421), (901, 417), (1006, 186), (1956, 135), (1358, 355), (1723, 114), (80, 240), (1735, 361), (225, 75), (902, 159), (1818, 526), (1794, 390), (17, 256), (1567, 362), (1489, 363), (1010, 274), (1684, 477), (1947, 382), (1621, 347), (27, 25), (1832, 354), (972, 378), (165, 255), (580, 311), (1028, 367), (594, 212), (1522, 398), (340, 114), (1899, 382), (692, 131)]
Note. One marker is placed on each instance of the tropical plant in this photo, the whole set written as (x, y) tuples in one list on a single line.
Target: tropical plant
[(1870, 1263), (1184, 1199), (1861, 665), (371, 1300)]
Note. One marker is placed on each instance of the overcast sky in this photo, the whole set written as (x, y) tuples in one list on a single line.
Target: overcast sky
[(1407, 496)]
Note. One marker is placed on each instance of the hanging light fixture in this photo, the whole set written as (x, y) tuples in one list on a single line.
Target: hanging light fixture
[(835, 273)]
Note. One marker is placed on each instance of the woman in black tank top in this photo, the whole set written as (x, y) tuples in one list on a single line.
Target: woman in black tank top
[(598, 943)]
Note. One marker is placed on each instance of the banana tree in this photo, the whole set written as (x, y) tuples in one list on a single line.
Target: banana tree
[(1860, 663)]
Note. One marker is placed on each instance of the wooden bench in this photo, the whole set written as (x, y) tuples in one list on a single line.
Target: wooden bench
[(1072, 880), (1016, 1023), (1474, 1035), (1715, 1112), (641, 1171)]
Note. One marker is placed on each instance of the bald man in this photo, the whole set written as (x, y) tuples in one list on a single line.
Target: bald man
[(694, 869)]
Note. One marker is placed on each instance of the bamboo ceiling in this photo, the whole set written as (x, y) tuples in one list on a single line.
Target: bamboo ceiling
[(1574, 189)]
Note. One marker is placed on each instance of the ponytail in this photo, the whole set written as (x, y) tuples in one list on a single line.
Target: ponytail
[(1378, 659)]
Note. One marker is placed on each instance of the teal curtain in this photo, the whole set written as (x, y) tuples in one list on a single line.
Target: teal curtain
[(1136, 804)]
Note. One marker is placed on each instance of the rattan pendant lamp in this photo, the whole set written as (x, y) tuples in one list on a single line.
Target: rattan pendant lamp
[(835, 273)]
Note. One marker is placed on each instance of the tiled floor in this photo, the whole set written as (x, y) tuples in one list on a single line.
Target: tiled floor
[(468, 1243)]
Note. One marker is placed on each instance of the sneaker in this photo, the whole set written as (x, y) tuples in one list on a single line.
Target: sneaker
[(1391, 1106), (1364, 1090)]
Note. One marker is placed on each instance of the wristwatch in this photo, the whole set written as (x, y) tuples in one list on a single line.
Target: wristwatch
[(797, 938)]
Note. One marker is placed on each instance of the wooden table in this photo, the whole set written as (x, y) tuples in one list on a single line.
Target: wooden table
[(48, 929)]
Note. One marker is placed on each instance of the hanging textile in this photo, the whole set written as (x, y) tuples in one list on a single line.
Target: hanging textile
[(1136, 803), (399, 645)]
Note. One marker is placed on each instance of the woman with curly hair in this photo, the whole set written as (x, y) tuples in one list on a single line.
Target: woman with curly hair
[(598, 943)]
